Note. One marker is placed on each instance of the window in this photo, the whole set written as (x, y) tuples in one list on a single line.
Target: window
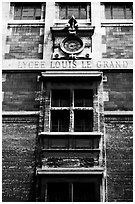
[(83, 98), (71, 188), (118, 11), (59, 121), (78, 10), (60, 98), (83, 121), (27, 11), (74, 107)]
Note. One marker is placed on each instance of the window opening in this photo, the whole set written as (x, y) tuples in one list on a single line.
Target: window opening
[(83, 121), (78, 10), (118, 11), (60, 121), (83, 98), (73, 191), (27, 11), (60, 98)]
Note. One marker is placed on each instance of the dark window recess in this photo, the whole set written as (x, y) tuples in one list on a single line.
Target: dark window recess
[(27, 11), (83, 98), (60, 98), (59, 143), (119, 11), (90, 143), (72, 192), (78, 10), (60, 121), (84, 192), (58, 192), (83, 121)]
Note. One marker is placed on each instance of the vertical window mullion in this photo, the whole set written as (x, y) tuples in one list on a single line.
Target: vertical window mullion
[(59, 125), (72, 192), (34, 15), (111, 12), (125, 12), (79, 8), (66, 12), (72, 110)]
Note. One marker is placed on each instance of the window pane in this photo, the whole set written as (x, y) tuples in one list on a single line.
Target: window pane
[(17, 14), (108, 12), (118, 12), (83, 143), (60, 121), (63, 13), (58, 192), (27, 11), (83, 13), (60, 98), (79, 11), (58, 143), (37, 13), (129, 13), (83, 121), (73, 10), (85, 192), (83, 98)]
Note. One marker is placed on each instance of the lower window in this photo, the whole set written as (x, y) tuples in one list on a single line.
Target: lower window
[(71, 188)]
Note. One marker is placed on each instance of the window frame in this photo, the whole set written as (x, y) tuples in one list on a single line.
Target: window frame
[(58, 20), (123, 5), (71, 108), (22, 5)]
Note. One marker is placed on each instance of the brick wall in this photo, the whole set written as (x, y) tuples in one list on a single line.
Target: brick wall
[(25, 42), (20, 92), (119, 87), (19, 161), (119, 153), (118, 41)]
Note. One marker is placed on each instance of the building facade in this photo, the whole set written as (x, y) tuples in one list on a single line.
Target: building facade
[(67, 75)]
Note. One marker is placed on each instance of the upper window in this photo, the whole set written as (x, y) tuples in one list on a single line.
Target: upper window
[(118, 10), (71, 109), (78, 10), (60, 98), (83, 98), (27, 11)]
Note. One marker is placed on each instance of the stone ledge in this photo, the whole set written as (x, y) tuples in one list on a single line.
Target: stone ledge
[(20, 117), (118, 116), (69, 171)]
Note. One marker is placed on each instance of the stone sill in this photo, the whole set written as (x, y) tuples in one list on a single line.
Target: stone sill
[(118, 113), (23, 113), (70, 133), (20, 113), (70, 150), (25, 22), (70, 171), (117, 22)]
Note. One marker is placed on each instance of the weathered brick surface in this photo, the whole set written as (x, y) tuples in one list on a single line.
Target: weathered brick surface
[(20, 92), (19, 161), (24, 42), (119, 86), (119, 42), (119, 160)]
